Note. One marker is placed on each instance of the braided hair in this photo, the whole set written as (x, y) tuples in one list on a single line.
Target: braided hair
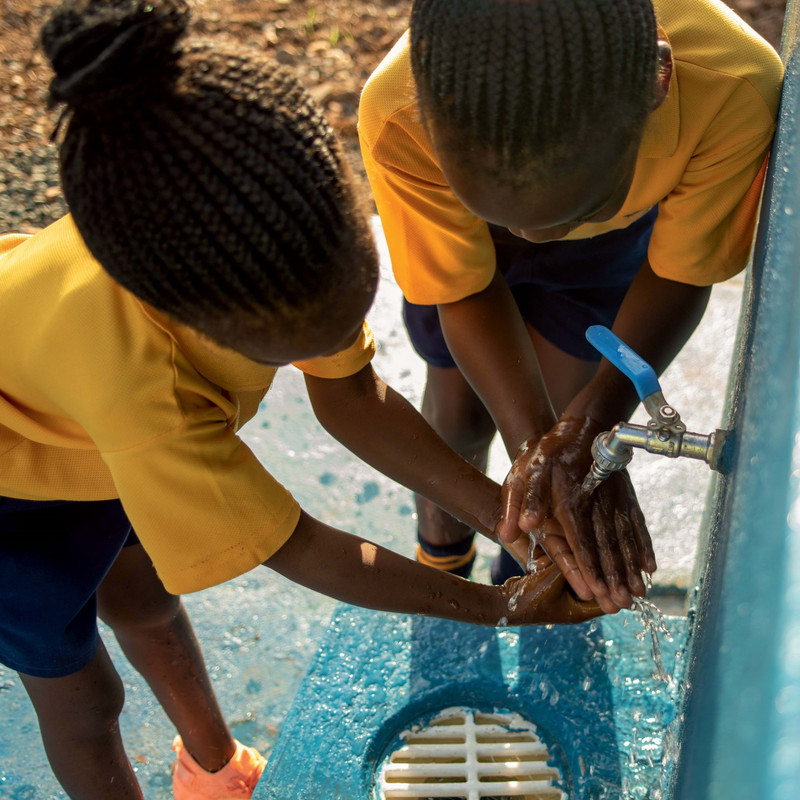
[(203, 180), (533, 79)]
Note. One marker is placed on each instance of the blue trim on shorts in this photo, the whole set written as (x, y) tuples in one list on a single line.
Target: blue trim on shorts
[(53, 556), (561, 287)]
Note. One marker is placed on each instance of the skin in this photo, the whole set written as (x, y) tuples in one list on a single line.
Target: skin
[(410, 452), (600, 542)]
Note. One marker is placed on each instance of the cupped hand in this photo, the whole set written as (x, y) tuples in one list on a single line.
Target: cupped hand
[(599, 540), (544, 597)]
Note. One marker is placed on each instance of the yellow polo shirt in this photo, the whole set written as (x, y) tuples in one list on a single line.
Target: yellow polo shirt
[(701, 160), (103, 397)]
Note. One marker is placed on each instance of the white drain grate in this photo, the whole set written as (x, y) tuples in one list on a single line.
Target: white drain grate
[(464, 754)]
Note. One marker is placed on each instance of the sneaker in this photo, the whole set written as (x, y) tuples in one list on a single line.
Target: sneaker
[(237, 779)]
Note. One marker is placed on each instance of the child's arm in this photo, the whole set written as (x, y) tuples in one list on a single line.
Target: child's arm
[(488, 339), (656, 319), (385, 430), (600, 546), (359, 572)]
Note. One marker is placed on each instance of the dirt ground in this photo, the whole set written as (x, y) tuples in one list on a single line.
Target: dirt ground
[(332, 44)]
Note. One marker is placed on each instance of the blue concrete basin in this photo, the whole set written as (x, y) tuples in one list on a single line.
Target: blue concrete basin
[(588, 689)]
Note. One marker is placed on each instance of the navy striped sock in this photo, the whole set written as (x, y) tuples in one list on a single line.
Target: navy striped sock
[(456, 558)]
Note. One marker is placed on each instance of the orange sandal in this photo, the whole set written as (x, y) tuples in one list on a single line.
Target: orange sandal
[(237, 779)]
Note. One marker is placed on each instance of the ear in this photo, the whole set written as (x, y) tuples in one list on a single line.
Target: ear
[(663, 73)]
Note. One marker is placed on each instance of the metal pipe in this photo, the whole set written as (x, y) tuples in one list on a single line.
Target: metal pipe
[(665, 435)]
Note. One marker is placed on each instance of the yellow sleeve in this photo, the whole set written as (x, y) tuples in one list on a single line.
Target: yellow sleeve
[(345, 363), (705, 225), (440, 251), (202, 505), (704, 231), (9, 241)]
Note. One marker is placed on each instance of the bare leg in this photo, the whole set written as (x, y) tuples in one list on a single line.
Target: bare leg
[(79, 722), (457, 414), (155, 634)]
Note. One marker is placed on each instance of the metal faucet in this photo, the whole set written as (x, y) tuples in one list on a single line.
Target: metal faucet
[(664, 433)]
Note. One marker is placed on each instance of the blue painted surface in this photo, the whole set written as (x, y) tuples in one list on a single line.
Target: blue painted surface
[(588, 689), (742, 732)]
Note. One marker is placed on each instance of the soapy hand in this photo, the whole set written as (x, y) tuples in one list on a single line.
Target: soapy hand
[(544, 597), (598, 540)]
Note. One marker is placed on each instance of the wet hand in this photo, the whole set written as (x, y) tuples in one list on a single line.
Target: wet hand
[(544, 596), (599, 540)]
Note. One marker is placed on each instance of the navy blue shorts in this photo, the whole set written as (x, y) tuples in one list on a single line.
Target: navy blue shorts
[(561, 287), (53, 556)]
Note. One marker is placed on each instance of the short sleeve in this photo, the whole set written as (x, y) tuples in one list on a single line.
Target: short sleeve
[(704, 231), (345, 363), (202, 505), (440, 251)]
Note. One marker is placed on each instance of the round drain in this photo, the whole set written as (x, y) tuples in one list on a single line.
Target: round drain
[(463, 754)]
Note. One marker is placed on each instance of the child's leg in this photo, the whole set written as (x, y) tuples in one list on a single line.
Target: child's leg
[(154, 631), (458, 416), (456, 413), (53, 555), (79, 723)]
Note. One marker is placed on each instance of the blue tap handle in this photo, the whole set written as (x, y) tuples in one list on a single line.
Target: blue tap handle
[(628, 362)]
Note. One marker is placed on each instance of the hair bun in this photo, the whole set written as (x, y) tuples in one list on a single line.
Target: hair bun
[(102, 50)]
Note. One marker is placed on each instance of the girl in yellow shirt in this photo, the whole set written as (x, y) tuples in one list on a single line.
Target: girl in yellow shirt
[(213, 237)]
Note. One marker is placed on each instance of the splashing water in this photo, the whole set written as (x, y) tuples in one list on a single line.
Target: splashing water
[(653, 623), (514, 599), (535, 540)]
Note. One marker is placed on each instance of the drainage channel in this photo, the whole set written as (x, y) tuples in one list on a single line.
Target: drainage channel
[(464, 754)]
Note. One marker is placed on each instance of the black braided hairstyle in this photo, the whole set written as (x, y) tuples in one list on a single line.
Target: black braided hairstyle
[(203, 179), (534, 79)]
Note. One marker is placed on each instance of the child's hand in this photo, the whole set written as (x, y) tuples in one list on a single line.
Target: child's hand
[(599, 541), (545, 597)]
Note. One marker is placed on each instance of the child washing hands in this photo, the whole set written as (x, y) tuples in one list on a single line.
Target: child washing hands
[(213, 237), (541, 166)]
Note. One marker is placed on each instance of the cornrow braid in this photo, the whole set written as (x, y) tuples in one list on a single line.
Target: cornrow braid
[(205, 181), (523, 77)]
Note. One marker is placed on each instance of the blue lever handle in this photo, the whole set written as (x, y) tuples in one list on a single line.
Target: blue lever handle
[(642, 375)]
